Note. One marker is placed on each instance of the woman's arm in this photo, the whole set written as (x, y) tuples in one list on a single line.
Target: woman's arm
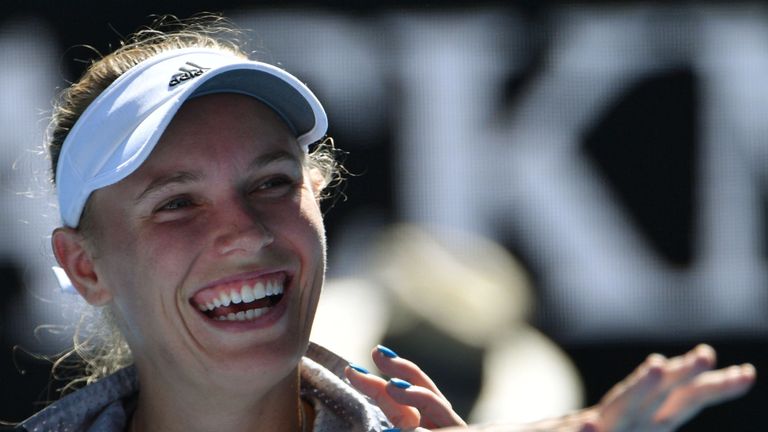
[(659, 396)]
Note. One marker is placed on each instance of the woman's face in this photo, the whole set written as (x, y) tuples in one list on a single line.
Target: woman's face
[(214, 249)]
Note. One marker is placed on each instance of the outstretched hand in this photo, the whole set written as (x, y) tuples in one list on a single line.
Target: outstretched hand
[(409, 399), (659, 396), (662, 394)]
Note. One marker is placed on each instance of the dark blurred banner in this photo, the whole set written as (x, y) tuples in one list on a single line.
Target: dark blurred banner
[(619, 151)]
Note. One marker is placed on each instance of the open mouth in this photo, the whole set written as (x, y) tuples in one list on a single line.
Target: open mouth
[(241, 300)]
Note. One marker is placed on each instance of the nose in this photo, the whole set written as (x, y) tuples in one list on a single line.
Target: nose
[(240, 230)]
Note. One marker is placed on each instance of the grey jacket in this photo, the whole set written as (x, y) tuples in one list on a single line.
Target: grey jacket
[(107, 405)]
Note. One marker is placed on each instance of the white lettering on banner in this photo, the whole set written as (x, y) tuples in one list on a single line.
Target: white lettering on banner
[(525, 174)]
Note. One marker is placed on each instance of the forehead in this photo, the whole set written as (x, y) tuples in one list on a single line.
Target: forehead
[(210, 127)]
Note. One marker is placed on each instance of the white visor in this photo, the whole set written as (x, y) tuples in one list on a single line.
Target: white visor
[(119, 129)]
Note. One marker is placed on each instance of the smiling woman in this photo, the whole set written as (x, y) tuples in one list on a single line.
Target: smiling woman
[(233, 224), (189, 180), (191, 217)]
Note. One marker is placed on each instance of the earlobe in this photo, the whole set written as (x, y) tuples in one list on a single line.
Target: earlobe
[(76, 260)]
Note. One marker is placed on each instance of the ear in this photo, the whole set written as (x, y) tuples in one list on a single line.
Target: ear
[(77, 261), (317, 180)]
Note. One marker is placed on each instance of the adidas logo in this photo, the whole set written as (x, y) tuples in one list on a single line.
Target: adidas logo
[(188, 72)]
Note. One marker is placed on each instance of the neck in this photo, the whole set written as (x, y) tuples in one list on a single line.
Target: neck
[(172, 407)]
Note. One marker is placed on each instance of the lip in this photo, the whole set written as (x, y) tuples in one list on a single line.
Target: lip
[(242, 277), (272, 315)]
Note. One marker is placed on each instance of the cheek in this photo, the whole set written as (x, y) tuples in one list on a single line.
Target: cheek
[(132, 256), (313, 263), (118, 270), (313, 218), (116, 259), (145, 273), (306, 232), (139, 265)]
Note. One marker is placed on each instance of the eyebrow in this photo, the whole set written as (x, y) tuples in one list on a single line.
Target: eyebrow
[(272, 157), (180, 177)]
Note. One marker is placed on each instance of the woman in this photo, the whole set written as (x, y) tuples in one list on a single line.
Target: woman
[(190, 204)]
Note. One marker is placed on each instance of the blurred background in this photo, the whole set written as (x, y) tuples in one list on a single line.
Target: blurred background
[(587, 179)]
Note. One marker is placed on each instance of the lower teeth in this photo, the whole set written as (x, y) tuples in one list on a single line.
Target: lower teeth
[(248, 315)]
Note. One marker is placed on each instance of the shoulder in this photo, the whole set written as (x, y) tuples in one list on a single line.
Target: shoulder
[(101, 406)]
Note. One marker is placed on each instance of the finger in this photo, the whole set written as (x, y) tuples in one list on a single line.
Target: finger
[(677, 372), (646, 389), (683, 368), (708, 389), (622, 407), (435, 410), (674, 370), (393, 365), (402, 416), (637, 381)]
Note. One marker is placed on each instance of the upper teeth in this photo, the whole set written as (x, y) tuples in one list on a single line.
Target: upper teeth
[(246, 294)]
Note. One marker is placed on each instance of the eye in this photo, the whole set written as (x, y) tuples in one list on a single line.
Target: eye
[(177, 203), (275, 185)]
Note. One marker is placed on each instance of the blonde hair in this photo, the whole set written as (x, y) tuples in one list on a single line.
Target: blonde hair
[(99, 348)]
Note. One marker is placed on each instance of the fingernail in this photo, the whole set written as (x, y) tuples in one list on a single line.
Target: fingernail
[(391, 430), (397, 382), (359, 368), (748, 369), (386, 351)]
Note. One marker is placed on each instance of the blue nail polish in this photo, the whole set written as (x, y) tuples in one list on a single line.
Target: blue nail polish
[(386, 351), (391, 430), (359, 368), (397, 382)]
